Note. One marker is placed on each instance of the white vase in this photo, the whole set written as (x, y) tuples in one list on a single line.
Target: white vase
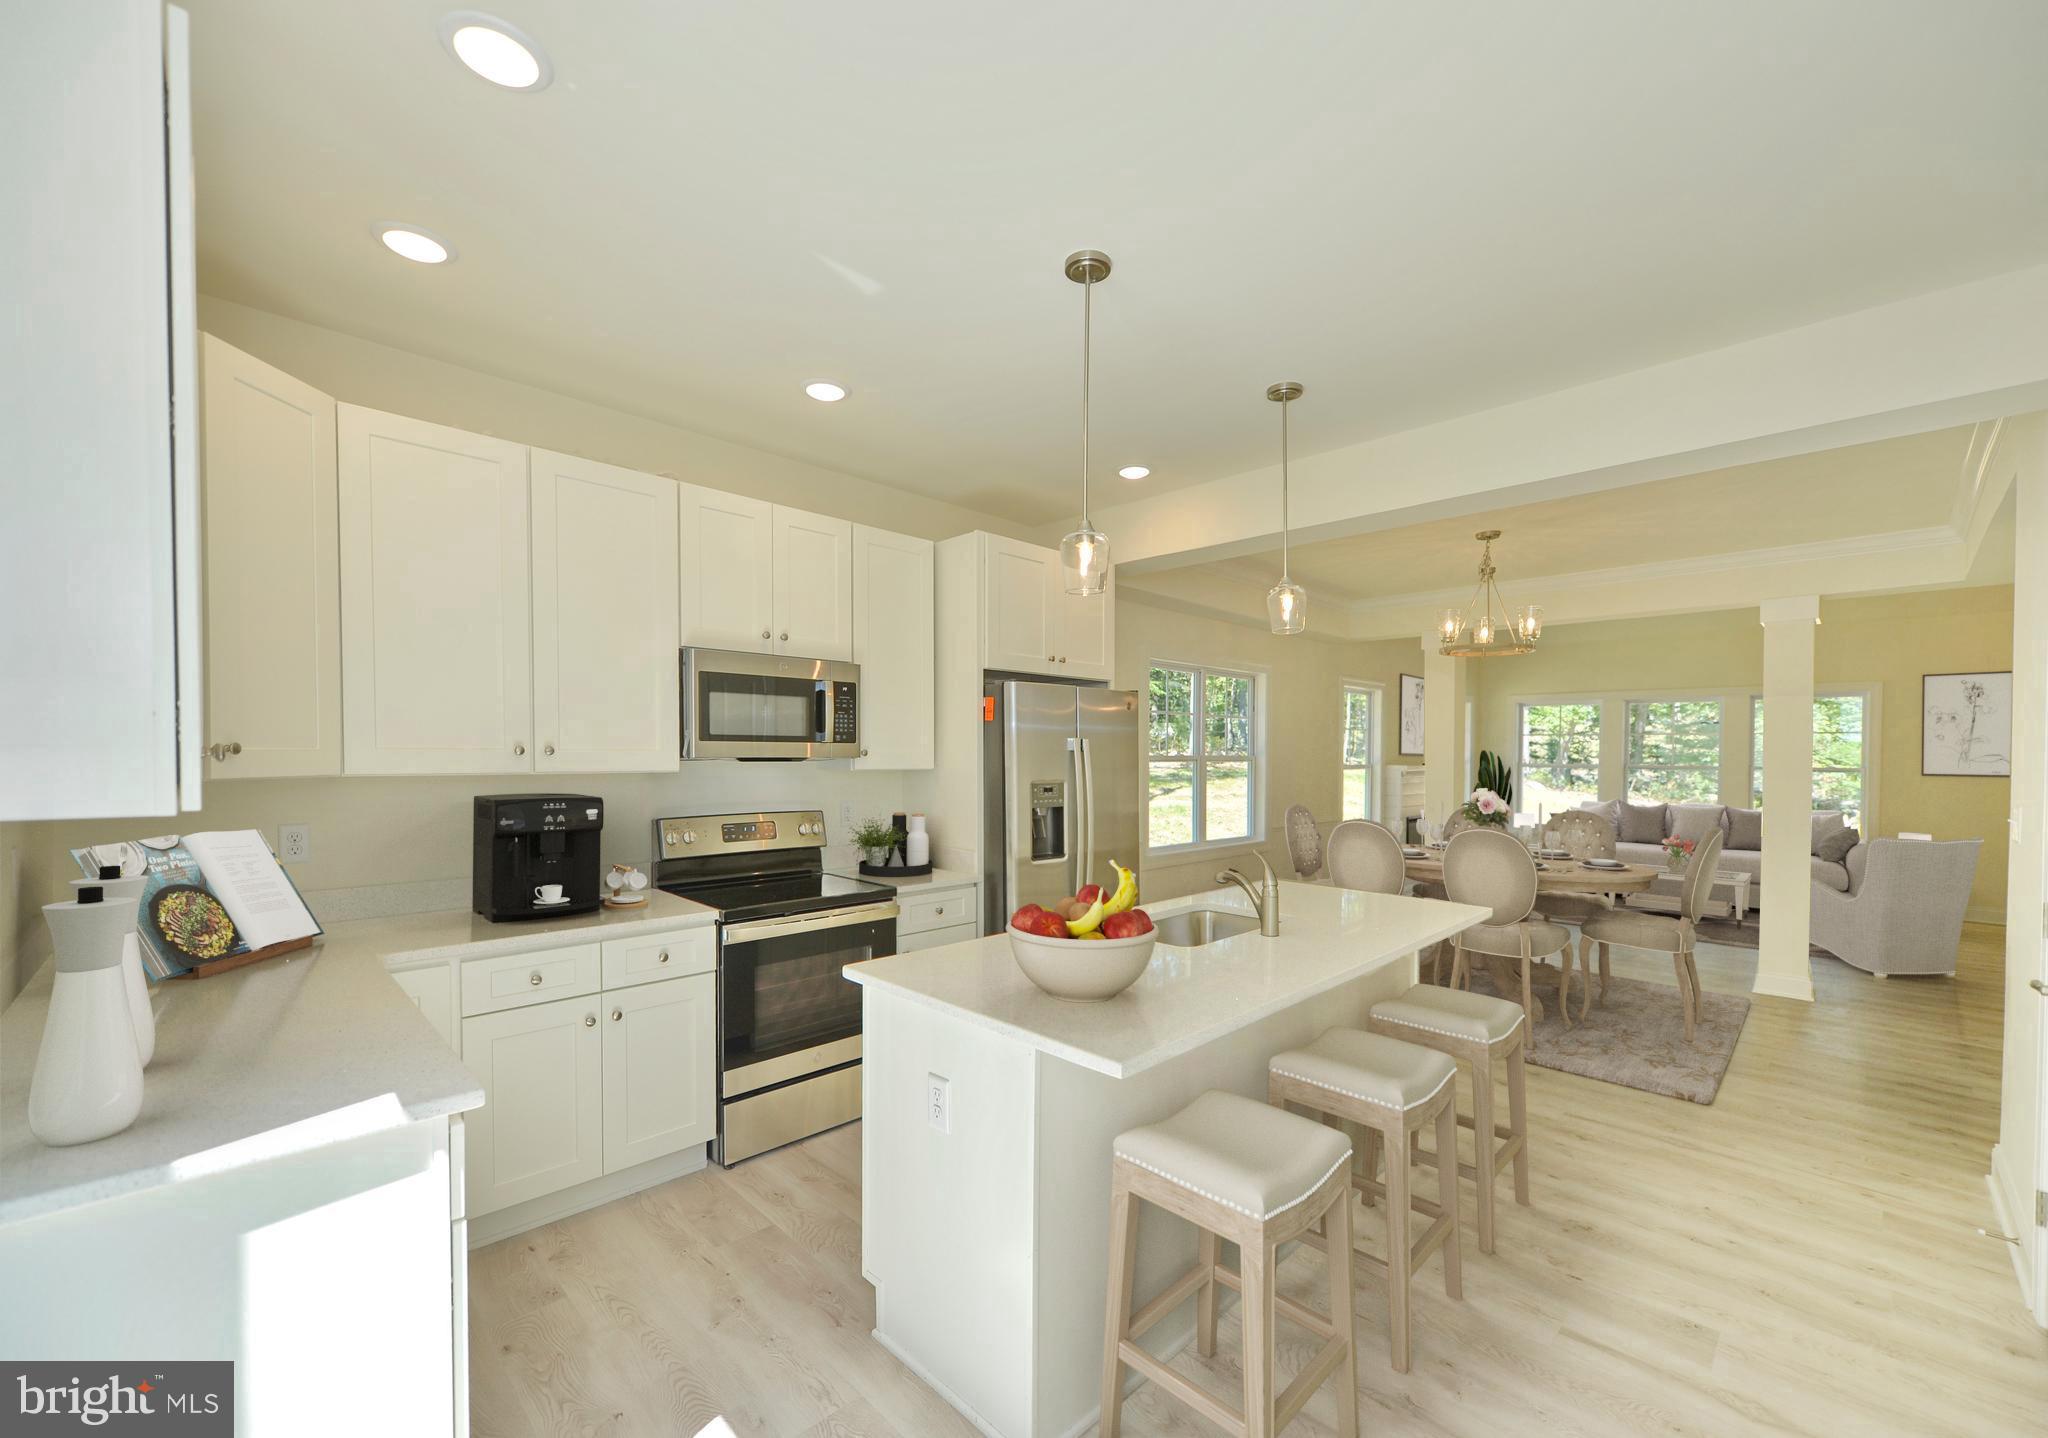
[(88, 1075)]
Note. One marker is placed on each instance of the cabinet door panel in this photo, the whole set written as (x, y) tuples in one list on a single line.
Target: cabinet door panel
[(726, 596), (1087, 634), (659, 1069), (436, 609), (1020, 624), (813, 585), (893, 644), (273, 549), (541, 1127), (604, 632)]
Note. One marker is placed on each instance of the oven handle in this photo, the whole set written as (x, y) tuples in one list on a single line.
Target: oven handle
[(755, 929)]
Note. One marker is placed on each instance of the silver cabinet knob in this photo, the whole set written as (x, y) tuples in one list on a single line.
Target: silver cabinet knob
[(617, 1014), (664, 957), (940, 911), (2037, 986), (534, 979), (519, 749), (590, 1021), (765, 634), (222, 752), (785, 636), (549, 750), (863, 753)]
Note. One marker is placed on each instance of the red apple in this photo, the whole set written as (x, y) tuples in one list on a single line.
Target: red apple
[(1042, 922), (1017, 920), (1127, 925), (1090, 893)]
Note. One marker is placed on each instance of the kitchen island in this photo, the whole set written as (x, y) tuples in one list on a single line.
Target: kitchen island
[(989, 1111)]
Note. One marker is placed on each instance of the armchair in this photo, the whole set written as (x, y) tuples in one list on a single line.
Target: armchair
[(1903, 912)]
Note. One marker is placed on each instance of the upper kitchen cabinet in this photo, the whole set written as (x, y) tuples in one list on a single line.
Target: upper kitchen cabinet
[(273, 598), (813, 585), (727, 592), (892, 643), (1031, 625), (436, 618), (99, 561), (604, 629)]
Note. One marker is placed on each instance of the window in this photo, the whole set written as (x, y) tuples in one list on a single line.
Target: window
[(1839, 753), (1560, 756), (1674, 751), (1361, 751), (1204, 757)]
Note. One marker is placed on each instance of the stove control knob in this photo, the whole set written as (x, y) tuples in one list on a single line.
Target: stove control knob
[(803, 828), (670, 838), (689, 836)]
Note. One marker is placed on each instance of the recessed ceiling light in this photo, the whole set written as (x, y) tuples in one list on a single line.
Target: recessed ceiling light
[(416, 245), (825, 390), (501, 53), (1134, 471)]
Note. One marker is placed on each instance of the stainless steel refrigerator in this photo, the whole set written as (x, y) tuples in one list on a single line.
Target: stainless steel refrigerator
[(1061, 792)]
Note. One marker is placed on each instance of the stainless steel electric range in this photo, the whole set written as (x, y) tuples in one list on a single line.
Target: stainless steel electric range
[(788, 1019)]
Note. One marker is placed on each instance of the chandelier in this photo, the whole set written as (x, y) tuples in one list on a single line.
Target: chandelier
[(1486, 626)]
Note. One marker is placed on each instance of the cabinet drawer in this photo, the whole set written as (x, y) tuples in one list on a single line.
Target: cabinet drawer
[(937, 938), (659, 956), (940, 910), (515, 980)]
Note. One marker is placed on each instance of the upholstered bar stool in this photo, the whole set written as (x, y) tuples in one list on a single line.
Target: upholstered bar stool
[(1488, 1034), (1259, 1177), (1392, 1091)]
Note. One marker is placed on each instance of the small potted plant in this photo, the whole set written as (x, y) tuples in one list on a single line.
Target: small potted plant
[(877, 841), (1676, 852)]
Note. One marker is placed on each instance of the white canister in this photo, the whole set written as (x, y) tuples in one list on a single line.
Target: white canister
[(88, 1075), (124, 893), (917, 844)]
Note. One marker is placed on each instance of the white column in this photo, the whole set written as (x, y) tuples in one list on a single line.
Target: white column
[(1785, 915), (1445, 782)]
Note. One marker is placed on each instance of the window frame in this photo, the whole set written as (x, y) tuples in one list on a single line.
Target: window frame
[(1198, 762), (1866, 815), (1523, 704), (1372, 768)]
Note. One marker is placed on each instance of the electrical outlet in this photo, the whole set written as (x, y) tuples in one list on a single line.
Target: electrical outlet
[(938, 1102), (294, 842)]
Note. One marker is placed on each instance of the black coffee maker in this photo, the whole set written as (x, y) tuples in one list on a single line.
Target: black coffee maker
[(536, 855)]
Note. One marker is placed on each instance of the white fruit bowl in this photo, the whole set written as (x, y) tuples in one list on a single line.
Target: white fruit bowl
[(1084, 970)]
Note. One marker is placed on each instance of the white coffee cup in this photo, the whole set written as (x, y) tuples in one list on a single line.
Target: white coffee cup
[(547, 893)]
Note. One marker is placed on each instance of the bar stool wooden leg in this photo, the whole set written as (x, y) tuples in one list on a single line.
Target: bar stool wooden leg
[(1518, 1122), (1205, 1302), (1255, 1307), (1447, 1196), (1343, 1320), (1482, 1147), (1399, 1257), (1123, 1266)]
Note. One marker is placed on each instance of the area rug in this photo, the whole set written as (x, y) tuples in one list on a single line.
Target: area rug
[(1637, 1038)]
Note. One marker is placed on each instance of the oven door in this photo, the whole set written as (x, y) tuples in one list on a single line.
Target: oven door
[(786, 1009), (737, 705)]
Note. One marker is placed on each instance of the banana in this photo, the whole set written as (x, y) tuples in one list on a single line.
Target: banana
[(1088, 923), (1126, 890)]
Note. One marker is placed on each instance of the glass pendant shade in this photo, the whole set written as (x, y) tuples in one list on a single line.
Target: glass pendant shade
[(1084, 557), (1287, 607)]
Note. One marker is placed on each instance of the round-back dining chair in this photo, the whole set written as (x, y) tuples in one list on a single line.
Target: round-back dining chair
[(1304, 842), (1365, 855), (1492, 869)]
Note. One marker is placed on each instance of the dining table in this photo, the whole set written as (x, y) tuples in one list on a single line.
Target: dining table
[(1553, 876)]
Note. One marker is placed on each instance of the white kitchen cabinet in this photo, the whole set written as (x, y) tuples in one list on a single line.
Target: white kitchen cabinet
[(436, 632), (273, 552), (660, 1068), (813, 585), (892, 643), (99, 561), (432, 990), (726, 596), (1031, 625), (541, 1126), (937, 938), (604, 629)]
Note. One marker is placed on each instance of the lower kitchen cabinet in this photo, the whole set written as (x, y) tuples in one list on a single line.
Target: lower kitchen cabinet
[(541, 1126), (660, 1069)]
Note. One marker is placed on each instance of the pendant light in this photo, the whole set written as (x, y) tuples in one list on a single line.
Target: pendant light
[(1286, 602), (1486, 626), (1084, 554)]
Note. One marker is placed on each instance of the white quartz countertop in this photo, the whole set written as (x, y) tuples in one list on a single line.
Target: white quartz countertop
[(280, 1057), (1187, 997)]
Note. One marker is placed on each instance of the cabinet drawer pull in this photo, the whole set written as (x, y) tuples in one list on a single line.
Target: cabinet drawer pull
[(221, 752), (765, 634), (664, 957), (940, 910), (519, 749), (534, 978), (549, 750), (590, 1021), (785, 636), (618, 1014)]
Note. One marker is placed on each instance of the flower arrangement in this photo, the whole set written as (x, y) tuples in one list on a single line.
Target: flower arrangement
[(1486, 807), (1677, 850)]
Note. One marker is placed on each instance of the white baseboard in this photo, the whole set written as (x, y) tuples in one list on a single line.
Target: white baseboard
[(2009, 1214), (1794, 986), (1985, 914), (519, 1217)]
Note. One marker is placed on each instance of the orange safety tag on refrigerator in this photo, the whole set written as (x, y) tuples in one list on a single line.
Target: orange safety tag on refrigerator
[(988, 708)]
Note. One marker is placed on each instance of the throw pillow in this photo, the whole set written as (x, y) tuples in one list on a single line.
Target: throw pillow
[(1642, 823), (1746, 829), (1836, 846), (1825, 823), (1693, 821)]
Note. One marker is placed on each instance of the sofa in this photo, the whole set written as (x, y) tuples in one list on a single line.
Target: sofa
[(1641, 829)]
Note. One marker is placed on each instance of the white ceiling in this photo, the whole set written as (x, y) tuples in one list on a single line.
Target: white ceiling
[(1419, 211), (1830, 495)]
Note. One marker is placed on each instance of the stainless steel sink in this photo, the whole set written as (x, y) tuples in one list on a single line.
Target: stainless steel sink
[(1191, 928)]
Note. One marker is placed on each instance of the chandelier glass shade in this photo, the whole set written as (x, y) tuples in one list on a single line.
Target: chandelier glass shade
[(1486, 626), (1084, 554)]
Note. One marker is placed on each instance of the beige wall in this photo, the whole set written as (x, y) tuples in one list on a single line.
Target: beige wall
[(1886, 641), (1304, 716)]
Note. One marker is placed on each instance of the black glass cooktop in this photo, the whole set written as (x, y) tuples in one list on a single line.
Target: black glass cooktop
[(772, 895)]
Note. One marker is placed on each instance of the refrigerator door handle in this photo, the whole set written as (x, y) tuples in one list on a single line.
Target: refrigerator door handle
[(1077, 815), (1087, 874)]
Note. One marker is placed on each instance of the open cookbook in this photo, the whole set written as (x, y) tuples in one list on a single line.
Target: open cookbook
[(206, 898)]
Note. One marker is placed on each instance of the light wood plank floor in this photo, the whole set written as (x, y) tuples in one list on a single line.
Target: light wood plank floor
[(1798, 1258)]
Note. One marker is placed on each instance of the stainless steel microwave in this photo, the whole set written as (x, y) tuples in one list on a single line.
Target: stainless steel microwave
[(737, 705)]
